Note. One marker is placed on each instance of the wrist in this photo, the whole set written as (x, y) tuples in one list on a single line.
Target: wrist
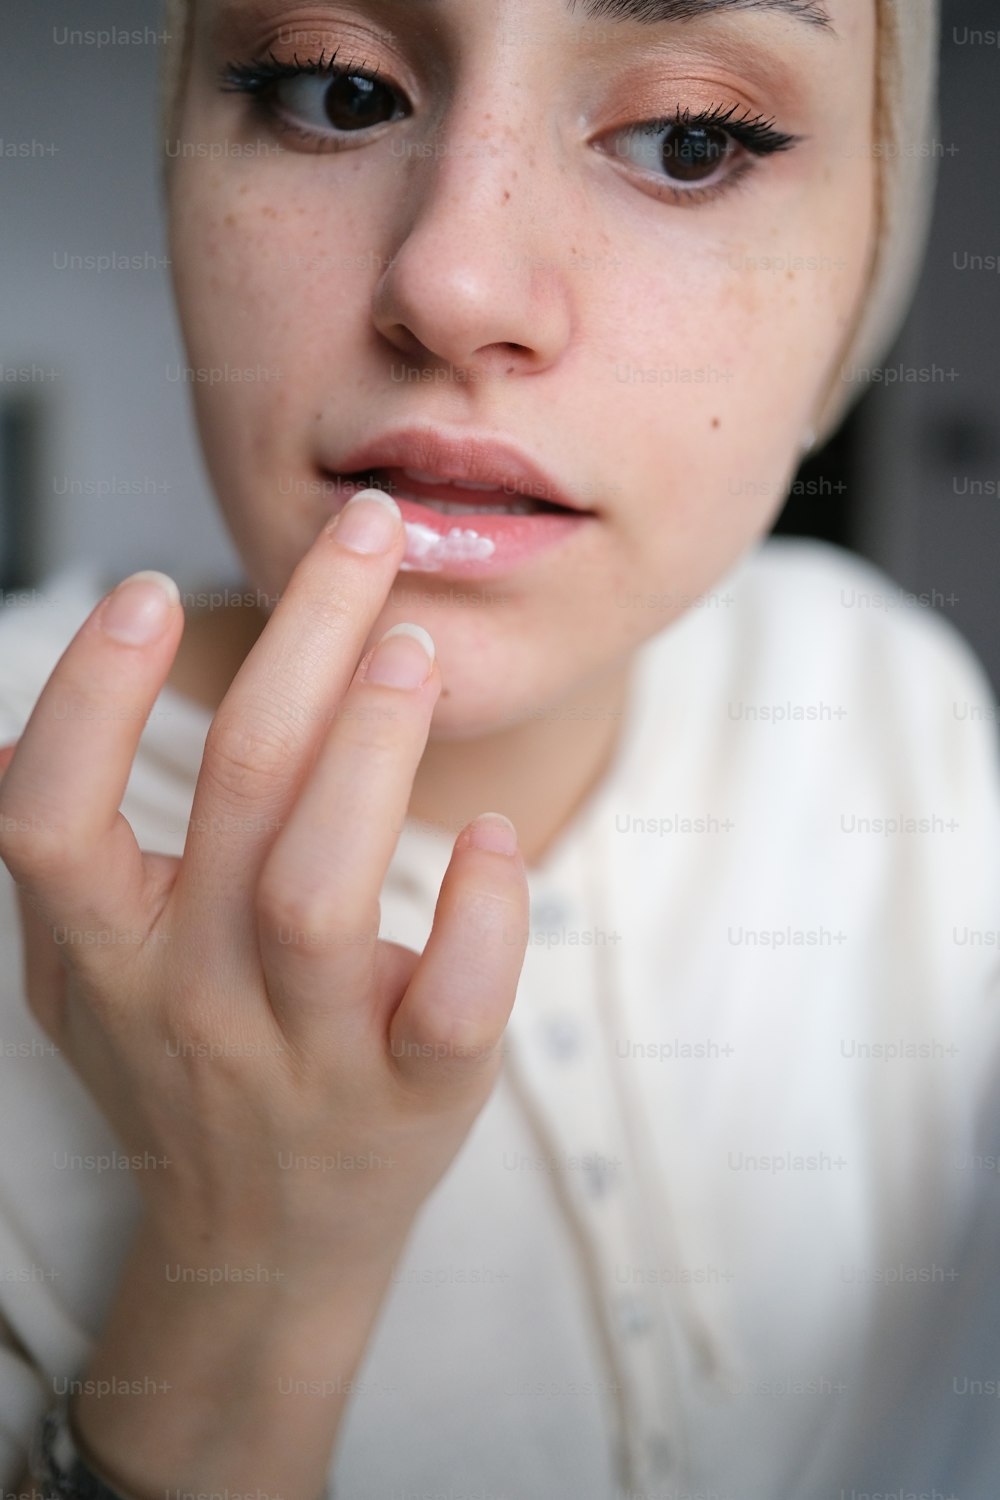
[(212, 1383)]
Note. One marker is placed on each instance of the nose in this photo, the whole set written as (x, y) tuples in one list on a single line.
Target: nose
[(475, 280)]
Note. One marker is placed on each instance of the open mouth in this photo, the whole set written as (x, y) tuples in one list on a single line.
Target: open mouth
[(457, 497)]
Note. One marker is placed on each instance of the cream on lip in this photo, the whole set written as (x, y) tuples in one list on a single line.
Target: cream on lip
[(428, 551), (484, 541)]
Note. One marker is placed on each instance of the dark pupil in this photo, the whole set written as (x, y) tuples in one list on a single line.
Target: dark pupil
[(691, 153), (352, 100)]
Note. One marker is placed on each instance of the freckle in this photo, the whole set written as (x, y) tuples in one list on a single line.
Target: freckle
[(790, 275), (716, 422), (229, 220), (506, 196), (267, 212)]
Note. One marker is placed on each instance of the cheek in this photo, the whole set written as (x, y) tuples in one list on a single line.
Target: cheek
[(737, 344), (231, 251), (736, 349), (255, 317)]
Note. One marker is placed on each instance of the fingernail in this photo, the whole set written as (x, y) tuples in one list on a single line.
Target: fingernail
[(494, 832), (369, 522), (403, 658), (136, 613)]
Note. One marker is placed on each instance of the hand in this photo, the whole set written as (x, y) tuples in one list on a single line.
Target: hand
[(290, 1084)]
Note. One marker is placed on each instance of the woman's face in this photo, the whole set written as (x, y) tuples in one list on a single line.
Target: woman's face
[(482, 241)]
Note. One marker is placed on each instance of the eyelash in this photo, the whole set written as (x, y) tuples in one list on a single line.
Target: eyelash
[(755, 134)]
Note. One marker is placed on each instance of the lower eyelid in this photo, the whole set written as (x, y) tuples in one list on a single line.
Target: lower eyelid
[(274, 111), (664, 190), (739, 159)]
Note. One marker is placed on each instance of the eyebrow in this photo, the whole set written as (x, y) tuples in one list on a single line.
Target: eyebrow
[(813, 13), (667, 12), (659, 12)]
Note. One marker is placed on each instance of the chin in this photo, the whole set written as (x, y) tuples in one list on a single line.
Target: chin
[(466, 715)]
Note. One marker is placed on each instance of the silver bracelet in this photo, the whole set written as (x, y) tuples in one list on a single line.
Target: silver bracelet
[(58, 1469)]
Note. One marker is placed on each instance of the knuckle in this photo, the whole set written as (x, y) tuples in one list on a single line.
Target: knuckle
[(313, 921), (336, 611), (32, 848), (365, 722), (282, 910), (243, 757), (483, 908), (453, 1041)]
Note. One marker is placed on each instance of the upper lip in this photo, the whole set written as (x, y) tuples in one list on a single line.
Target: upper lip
[(482, 460)]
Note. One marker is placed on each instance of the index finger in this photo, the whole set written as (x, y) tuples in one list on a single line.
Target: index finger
[(269, 726)]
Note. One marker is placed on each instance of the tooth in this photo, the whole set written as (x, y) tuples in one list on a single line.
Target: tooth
[(450, 508), (423, 478), (468, 484)]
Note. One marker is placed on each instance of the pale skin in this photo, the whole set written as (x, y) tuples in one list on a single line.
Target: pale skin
[(685, 476)]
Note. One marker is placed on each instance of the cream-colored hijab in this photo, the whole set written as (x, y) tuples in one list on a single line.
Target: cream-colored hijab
[(906, 158)]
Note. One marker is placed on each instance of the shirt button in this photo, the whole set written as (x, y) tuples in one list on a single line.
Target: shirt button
[(549, 912), (632, 1316), (599, 1174), (659, 1453), (562, 1036)]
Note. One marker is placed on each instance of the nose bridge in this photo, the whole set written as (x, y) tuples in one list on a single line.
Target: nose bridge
[(470, 270), (485, 154)]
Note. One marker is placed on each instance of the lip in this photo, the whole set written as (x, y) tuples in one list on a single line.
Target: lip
[(469, 546), (462, 456)]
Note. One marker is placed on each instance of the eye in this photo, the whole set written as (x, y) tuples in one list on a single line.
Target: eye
[(315, 99), (685, 153), (690, 152), (347, 102)]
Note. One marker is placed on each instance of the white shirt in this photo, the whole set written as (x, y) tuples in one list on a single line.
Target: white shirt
[(734, 1178)]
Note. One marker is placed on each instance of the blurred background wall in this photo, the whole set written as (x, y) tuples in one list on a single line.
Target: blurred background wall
[(103, 450), (98, 456)]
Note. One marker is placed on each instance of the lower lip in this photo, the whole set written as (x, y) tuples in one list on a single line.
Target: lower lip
[(489, 544)]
